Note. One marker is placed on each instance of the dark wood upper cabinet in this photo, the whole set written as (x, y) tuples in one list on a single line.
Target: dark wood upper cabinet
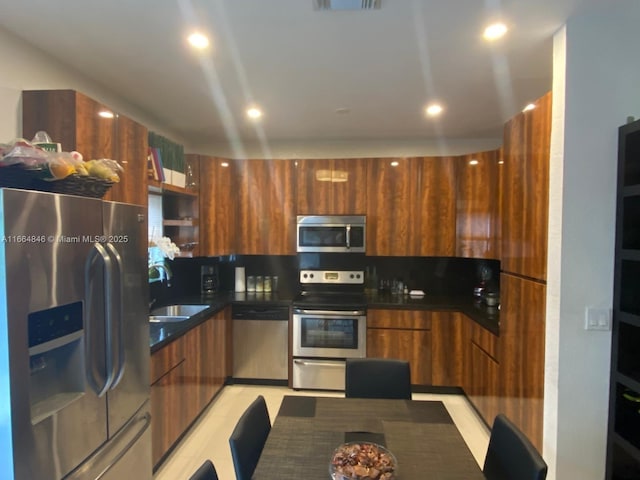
[(331, 186), (411, 206), (391, 203), (265, 196), (436, 207), (478, 205), (525, 184), (217, 206), (74, 120)]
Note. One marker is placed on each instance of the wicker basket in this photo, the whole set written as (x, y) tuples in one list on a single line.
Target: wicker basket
[(15, 176)]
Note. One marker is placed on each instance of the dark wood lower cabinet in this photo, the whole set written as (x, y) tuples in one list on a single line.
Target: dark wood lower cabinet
[(185, 376), (411, 345), (483, 388)]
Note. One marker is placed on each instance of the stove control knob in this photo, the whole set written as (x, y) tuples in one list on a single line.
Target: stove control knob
[(311, 275), (358, 276), (351, 276), (304, 275)]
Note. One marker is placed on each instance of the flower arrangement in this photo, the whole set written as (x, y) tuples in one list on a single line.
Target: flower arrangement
[(160, 248)]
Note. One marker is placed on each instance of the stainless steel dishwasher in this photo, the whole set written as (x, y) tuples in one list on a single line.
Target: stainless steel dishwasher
[(260, 343)]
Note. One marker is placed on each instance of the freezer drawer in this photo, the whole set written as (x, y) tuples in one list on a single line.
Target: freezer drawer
[(318, 374), (127, 455)]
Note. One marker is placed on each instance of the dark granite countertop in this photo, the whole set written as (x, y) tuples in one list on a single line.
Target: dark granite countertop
[(164, 333)]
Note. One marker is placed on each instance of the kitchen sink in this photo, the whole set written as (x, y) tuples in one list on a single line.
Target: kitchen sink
[(167, 318), (177, 311)]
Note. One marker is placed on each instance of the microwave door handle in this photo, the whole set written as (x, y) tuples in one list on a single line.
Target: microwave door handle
[(96, 379), (117, 315), (348, 237)]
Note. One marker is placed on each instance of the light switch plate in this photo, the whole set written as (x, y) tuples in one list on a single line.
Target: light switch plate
[(597, 318)]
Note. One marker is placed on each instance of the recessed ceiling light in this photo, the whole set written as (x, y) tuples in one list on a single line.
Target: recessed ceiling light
[(254, 113), (531, 106), (473, 162), (495, 31), (198, 40), (224, 164), (395, 163), (343, 110), (106, 114), (434, 109), (500, 162)]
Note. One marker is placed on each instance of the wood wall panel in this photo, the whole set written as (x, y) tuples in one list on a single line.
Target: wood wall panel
[(436, 207), (477, 206), (525, 186), (265, 196), (217, 206)]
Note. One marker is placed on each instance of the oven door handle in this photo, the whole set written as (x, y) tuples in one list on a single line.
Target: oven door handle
[(350, 313), (320, 364)]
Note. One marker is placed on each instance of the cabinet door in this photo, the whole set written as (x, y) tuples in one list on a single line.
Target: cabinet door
[(448, 342), (131, 151), (168, 417), (217, 207), (484, 389), (521, 352), (266, 215), (413, 346), (331, 186), (314, 187), (477, 205), (526, 191), (392, 223), (436, 208), (75, 121), (349, 186)]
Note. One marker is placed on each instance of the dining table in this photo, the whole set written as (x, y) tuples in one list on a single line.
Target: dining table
[(421, 435)]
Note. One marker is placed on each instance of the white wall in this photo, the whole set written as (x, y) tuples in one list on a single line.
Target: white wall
[(27, 68), (600, 76)]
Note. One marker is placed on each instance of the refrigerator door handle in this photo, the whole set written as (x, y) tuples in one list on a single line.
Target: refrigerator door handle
[(117, 315), (95, 377)]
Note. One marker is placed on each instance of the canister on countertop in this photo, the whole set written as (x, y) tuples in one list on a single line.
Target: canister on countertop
[(267, 284), (259, 283), (251, 283), (240, 279)]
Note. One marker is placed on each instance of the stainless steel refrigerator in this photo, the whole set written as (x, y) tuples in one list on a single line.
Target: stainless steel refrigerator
[(74, 338)]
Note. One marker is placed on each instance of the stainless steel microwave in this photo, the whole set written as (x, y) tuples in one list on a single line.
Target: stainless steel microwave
[(331, 233)]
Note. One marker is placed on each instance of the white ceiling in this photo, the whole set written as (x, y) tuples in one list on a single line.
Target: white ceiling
[(300, 65)]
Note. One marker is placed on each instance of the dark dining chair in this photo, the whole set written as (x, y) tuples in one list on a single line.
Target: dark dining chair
[(377, 378), (248, 438), (511, 455), (206, 472)]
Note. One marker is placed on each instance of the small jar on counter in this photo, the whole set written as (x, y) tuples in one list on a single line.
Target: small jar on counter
[(259, 283)]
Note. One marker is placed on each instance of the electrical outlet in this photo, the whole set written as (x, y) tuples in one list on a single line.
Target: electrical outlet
[(597, 318)]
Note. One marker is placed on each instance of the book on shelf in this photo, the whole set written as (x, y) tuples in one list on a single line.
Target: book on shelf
[(157, 164)]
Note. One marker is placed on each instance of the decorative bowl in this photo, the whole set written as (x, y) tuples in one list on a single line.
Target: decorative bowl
[(362, 461)]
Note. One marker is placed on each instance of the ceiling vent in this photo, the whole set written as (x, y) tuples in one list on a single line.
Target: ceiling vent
[(346, 4)]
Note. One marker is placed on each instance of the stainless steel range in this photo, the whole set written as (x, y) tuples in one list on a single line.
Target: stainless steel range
[(329, 326)]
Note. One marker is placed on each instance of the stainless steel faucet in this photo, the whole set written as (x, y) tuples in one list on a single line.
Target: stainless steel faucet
[(167, 271)]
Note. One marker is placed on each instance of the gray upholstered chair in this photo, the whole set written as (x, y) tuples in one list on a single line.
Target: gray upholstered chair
[(511, 455), (248, 438), (377, 378)]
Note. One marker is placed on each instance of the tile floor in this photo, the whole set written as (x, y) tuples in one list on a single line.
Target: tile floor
[(209, 437)]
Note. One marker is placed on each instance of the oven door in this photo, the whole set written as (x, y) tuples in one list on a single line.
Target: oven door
[(329, 334)]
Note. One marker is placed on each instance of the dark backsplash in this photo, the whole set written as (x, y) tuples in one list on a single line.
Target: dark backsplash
[(434, 275)]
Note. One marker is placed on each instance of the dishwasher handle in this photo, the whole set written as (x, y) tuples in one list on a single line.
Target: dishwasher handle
[(259, 313)]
